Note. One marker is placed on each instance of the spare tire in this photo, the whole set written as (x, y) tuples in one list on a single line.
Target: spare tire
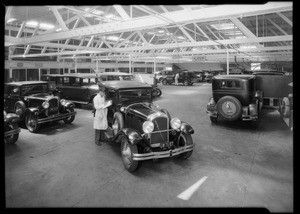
[(230, 108)]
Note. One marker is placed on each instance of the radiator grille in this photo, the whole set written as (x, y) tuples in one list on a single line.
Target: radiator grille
[(53, 106), (161, 133)]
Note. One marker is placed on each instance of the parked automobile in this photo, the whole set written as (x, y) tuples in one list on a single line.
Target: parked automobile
[(35, 104), (11, 127), (199, 76), (234, 97), (185, 77), (144, 130), (81, 88), (159, 75)]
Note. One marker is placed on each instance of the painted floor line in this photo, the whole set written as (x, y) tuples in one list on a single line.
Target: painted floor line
[(185, 195)]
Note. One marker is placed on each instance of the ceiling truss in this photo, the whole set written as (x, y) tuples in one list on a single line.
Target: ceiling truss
[(147, 33)]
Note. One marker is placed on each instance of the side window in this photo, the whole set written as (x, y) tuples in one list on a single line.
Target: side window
[(66, 81), (76, 82), (93, 81), (12, 90), (230, 84), (85, 81), (59, 81)]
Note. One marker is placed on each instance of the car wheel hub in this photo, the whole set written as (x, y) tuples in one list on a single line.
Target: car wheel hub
[(229, 108), (126, 152)]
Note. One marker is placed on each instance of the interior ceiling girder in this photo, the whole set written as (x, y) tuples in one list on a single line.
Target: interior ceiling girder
[(140, 36), (200, 15)]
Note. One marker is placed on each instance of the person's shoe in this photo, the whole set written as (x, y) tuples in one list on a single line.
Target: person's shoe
[(98, 143)]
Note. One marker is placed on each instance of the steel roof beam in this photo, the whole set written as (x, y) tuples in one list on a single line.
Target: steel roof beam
[(121, 12), (286, 19), (199, 15), (59, 18)]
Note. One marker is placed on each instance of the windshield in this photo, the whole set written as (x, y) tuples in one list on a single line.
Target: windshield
[(34, 89), (135, 94)]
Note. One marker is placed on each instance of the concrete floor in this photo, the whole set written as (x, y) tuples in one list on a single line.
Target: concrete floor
[(244, 165)]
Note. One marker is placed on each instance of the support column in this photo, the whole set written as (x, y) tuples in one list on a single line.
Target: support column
[(227, 62), (130, 71), (39, 74), (10, 75), (154, 69)]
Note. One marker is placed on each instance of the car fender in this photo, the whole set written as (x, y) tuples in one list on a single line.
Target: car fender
[(186, 128), (133, 136), (11, 117), (32, 110), (69, 104)]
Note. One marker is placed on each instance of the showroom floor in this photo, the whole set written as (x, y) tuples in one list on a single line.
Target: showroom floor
[(234, 164)]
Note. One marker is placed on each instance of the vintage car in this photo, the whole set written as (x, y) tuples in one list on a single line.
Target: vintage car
[(144, 131), (81, 88), (185, 77), (11, 127), (35, 105), (234, 97)]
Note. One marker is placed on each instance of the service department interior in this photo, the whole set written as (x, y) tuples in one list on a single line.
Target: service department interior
[(198, 105)]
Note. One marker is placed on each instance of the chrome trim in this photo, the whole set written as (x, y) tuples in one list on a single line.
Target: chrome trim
[(155, 115), (56, 117), (163, 154), (12, 132)]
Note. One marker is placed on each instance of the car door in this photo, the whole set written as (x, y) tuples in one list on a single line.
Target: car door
[(12, 94)]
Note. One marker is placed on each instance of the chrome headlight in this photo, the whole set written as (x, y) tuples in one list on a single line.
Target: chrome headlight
[(148, 127), (63, 102), (45, 104), (175, 123)]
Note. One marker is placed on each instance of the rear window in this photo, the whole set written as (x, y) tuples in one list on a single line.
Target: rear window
[(230, 84)]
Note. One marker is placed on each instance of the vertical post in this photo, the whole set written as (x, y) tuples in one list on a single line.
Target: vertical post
[(154, 69), (10, 74), (227, 61), (39, 74), (75, 65), (130, 65)]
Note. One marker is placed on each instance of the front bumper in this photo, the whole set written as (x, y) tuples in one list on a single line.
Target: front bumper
[(163, 154), (12, 132), (56, 117)]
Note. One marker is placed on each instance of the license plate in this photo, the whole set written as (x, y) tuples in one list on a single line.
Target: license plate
[(54, 109)]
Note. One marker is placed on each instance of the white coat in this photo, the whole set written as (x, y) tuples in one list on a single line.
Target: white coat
[(100, 119)]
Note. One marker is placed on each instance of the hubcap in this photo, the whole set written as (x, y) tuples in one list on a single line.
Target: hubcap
[(229, 108), (126, 152)]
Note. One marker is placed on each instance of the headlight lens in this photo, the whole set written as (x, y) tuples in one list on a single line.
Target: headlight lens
[(63, 102), (175, 123), (45, 104), (148, 127)]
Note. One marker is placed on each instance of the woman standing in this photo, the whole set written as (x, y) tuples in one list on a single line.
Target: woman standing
[(100, 118)]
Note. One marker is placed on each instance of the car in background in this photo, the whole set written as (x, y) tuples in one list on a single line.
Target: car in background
[(143, 130), (185, 77), (199, 76), (159, 75), (11, 127), (81, 88), (234, 97), (35, 104)]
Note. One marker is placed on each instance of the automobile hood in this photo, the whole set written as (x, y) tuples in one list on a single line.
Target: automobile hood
[(142, 110), (40, 96)]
